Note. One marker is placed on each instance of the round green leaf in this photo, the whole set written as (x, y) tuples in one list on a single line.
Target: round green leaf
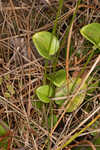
[(92, 33), (60, 92), (58, 78), (44, 93), (46, 43)]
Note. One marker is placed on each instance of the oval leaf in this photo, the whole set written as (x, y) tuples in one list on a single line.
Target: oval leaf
[(46, 44), (77, 101), (44, 92), (58, 78), (92, 33), (60, 92)]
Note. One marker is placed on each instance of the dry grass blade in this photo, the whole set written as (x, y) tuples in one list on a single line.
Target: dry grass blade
[(22, 72), (67, 57)]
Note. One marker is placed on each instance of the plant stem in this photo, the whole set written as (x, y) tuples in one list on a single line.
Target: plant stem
[(68, 44), (46, 63), (53, 33)]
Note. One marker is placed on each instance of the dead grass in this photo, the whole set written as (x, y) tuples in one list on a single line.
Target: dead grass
[(21, 69)]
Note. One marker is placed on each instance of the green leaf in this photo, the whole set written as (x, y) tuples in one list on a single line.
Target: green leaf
[(92, 33), (60, 92), (46, 44), (44, 93), (77, 101), (58, 78)]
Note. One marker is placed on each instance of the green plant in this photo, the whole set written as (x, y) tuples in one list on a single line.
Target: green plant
[(60, 92), (92, 33), (44, 92), (58, 78), (47, 45)]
